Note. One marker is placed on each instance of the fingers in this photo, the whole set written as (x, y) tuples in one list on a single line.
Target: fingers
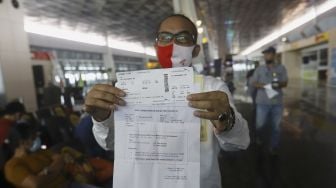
[(110, 89), (212, 95), (206, 115), (92, 104), (206, 105), (106, 96), (103, 98)]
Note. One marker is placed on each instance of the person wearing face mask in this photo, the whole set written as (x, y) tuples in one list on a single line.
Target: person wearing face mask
[(223, 127), (28, 165), (32, 167), (13, 112), (269, 108)]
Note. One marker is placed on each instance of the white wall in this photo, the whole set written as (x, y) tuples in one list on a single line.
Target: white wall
[(332, 59), (16, 70)]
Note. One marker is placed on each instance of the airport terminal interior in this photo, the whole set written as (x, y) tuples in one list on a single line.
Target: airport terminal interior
[(53, 52)]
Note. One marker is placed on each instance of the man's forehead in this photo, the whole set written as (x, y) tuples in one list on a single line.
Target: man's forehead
[(176, 24)]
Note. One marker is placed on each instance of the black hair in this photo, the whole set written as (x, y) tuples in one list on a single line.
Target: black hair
[(25, 130), (20, 132), (14, 107), (184, 17)]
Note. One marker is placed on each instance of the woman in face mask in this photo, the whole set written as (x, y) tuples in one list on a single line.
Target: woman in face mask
[(30, 166)]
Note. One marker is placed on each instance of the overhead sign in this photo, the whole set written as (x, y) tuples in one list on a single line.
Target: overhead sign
[(41, 55), (317, 39), (322, 37)]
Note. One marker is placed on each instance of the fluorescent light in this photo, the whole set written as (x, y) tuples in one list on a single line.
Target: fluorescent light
[(284, 39), (132, 47), (198, 23), (127, 46), (305, 18), (63, 32), (82, 68), (150, 51), (200, 30), (69, 68), (57, 79), (239, 67), (52, 31)]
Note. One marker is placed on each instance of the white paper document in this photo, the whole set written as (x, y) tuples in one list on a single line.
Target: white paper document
[(270, 92), (157, 138)]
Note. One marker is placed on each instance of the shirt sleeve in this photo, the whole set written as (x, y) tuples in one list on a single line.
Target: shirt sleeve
[(255, 76), (104, 132), (238, 137)]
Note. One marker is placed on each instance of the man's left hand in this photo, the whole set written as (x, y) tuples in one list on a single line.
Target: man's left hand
[(211, 105)]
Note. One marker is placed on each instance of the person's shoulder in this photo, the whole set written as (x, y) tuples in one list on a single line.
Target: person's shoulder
[(4, 121), (263, 66), (11, 163), (16, 170), (281, 66), (211, 79), (260, 68), (211, 83)]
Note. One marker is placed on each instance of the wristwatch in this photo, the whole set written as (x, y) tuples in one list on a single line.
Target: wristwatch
[(229, 118)]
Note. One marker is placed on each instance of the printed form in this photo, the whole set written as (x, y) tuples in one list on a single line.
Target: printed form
[(157, 138)]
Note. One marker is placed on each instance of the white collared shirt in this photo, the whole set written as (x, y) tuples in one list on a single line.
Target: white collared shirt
[(236, 139)]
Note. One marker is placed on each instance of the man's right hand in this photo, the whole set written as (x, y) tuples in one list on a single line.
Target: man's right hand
[(102, 99), (259, 85)]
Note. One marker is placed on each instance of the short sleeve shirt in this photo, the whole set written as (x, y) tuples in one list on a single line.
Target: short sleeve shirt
[(264, 75)]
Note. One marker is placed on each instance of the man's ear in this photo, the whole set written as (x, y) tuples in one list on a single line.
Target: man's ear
[(196, 51)]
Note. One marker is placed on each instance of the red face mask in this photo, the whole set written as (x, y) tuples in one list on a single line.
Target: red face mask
[(164, 54), (175, 55)]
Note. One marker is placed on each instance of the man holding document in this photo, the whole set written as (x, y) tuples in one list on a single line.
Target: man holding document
[(269, 79), (167, 125)]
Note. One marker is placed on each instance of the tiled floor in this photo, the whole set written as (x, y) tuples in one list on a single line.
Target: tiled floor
[(307, 155)]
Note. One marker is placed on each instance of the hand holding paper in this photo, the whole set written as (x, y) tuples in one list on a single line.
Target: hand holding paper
[(157, 139), (270, 92)]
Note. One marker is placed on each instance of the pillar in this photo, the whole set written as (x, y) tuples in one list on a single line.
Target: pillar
[(332, 59), (109, 62), (331, 82), (291, 60), (16, 76), (187, 8)]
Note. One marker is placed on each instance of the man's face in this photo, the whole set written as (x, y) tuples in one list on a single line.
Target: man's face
[(269, 56), (180, 26)]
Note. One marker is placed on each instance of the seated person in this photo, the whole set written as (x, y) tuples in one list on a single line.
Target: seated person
[(83, 132), (13, 112), (32, 167), (29, 166), (86, 170)]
